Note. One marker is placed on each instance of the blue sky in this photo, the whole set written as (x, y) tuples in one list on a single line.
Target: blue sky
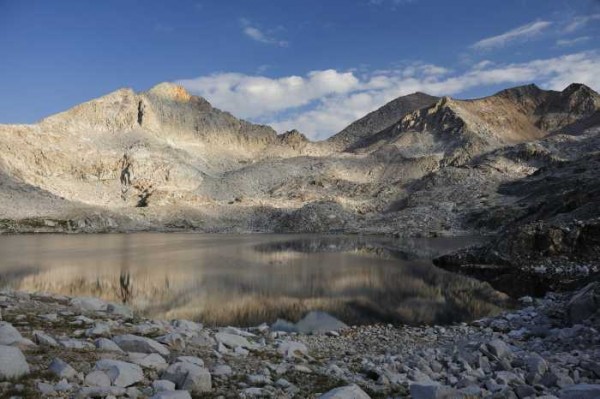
[(311, 64)]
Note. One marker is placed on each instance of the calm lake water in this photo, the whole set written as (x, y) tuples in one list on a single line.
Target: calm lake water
[(248, 279)]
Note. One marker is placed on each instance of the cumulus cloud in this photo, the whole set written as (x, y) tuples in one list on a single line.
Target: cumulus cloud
[(256, 34), (324, 102), (255, 96), (520, 33)]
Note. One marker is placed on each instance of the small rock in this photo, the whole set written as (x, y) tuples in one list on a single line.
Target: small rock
[(62, 369), (172, 340), (45, 389), (348, 392), (99, 392), (63, 386), (73, 343), (43, 339), (191, 359)]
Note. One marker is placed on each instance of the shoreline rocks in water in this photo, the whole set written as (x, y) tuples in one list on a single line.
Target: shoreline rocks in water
[(57, 347)]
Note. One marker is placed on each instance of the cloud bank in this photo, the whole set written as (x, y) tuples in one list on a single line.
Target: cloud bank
[(324, 102)]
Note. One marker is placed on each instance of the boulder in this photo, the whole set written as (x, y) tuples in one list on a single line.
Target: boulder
[(580, 391), (319, 322), (12, 363), (97, 378), (105, 344), (134, 343), (62, 369), (99, 330), (99, 392), (433, 390), (584, 303), (152, 361), (44, 339), (172, 395), (232, 340), (163, 385), (119, 310), (499, 349), (292, 349), (172, 340), (121, 374), (89, 304), (222, 370), (188, 376), (8, 334), (348, 392)]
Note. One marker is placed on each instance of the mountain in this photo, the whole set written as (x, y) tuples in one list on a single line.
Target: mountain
[(461, 129), (381, 119), (167, 160)]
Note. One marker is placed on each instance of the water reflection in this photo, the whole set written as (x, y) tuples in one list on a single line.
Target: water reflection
[(248, 279)]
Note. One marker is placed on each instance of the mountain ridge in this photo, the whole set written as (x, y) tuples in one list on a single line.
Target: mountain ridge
[(164, 159)]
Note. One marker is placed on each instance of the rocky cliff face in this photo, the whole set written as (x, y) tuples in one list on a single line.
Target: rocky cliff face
[(164, 159)]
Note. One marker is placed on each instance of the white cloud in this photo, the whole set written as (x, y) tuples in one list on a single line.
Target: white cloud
[(572, 42), (258, 35), (256, 96), (523, 32), (324, 102), (580, 21)]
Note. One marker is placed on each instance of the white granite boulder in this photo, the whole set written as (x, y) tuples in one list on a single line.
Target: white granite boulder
[(348, 392), (121, 374), (188, 376), (12, 363), (134, 343)]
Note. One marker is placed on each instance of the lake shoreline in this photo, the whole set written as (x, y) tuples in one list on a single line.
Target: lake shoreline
[(550, 346)]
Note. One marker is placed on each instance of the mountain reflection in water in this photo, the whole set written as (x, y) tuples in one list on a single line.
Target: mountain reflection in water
[(248, 279)]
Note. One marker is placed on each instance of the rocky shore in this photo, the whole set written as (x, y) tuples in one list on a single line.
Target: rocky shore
[(59, 347)]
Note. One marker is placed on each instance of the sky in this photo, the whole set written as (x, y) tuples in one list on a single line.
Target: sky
[(312, 65)]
